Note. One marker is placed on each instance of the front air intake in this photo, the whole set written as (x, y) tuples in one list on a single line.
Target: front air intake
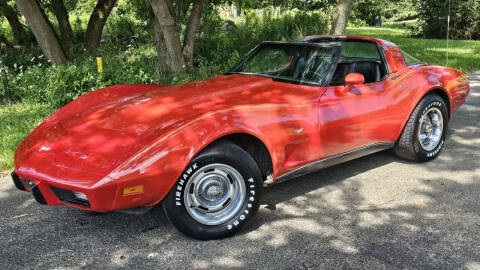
[(70, 196)]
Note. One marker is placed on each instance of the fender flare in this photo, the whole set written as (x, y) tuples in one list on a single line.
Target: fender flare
[(435, 89)]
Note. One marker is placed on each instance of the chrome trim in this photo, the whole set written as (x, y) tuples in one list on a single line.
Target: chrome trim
[(334, 160), (430, 129), (214, 194)]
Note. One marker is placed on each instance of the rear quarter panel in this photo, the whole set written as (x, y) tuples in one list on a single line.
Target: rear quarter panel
[(408, 86)]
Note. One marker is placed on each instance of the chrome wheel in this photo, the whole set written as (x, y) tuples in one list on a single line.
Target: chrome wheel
[(214, 194), (430, 129)]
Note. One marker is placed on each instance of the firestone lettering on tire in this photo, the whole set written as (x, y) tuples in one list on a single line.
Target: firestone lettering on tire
[(436, 103), (434, 152), (440, 144), (246, 211)]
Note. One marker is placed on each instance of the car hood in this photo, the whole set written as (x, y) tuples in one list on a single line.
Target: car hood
[(99, 131)]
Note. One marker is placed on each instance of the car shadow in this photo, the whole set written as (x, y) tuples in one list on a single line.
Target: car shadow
[(286, 191)]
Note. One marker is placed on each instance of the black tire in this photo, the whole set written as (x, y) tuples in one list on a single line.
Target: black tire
[(408, 145), (221, 153)]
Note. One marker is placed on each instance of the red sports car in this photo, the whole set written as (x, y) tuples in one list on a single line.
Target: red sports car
[(206, 149)]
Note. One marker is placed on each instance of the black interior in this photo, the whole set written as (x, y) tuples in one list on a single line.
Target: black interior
[(370, 69)]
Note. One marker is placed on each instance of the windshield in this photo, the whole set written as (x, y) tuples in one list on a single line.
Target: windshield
[(298, 63)]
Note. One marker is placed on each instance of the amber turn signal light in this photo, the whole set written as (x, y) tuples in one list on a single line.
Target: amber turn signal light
[(132, 190)]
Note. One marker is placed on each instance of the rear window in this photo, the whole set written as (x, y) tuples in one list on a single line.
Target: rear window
[(352, 49), (355, 49), (410, 60)]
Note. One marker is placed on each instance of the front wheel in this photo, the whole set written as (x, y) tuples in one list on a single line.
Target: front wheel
[(424, 134), (217, 194)]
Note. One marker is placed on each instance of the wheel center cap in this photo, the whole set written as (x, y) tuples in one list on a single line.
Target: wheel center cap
[(429, 129), (213, 191)]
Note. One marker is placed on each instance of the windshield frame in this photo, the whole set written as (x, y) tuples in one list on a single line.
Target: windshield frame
[(335, 56)]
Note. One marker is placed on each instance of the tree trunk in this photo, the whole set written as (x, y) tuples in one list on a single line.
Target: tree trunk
[(178, 9), (61, 14), (163, 58), (340, 18), (17, 28), (43, 31), (191, 31), (97, 22), (170, 34)]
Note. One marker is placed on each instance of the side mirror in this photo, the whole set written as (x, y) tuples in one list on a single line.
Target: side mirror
[(351, 80), (354, 78)]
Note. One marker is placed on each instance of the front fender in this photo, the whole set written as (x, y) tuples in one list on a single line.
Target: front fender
[(72, 111), (159, 165)]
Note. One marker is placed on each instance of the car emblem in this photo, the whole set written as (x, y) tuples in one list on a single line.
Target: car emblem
[(298, 131)]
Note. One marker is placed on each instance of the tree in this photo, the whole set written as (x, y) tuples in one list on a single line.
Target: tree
[(17, 28), (168, 35), (367, 10), (66, 32), (191, 31), (41, 27), (464, 18), (43, 31), (171, 36), (97, 22), (162, 54), (340, 18)]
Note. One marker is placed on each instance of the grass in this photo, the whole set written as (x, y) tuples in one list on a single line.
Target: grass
[(20, 119), (463, 54), (16, 122)]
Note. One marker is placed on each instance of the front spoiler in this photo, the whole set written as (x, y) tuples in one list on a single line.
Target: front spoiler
[(23, 187), (45, 192), (16, 181)]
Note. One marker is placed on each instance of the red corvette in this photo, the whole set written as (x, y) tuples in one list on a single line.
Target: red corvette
[(206, 149)]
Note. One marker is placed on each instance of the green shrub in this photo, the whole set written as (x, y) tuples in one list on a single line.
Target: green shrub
[(366, 10), (58, 85), (130, 60), (222, 48), (464, 20)]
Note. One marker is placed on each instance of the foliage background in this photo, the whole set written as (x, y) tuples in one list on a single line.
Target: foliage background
[(130, 56), (464, 20)]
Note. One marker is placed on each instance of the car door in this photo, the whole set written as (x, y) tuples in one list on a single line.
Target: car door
[(351, 120)]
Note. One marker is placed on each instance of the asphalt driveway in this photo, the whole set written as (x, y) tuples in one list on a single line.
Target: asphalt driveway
[(372, 213)]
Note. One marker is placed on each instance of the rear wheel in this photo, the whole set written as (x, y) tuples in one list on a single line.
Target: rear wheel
[(424, 134), (217, 195)]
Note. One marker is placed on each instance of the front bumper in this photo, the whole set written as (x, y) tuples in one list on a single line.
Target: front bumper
[(98, 199)]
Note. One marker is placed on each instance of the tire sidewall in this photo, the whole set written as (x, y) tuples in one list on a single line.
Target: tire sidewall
[(178, 214), (432, 101)]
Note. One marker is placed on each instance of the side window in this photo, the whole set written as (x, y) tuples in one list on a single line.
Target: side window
[(359, 57), (410, 60)]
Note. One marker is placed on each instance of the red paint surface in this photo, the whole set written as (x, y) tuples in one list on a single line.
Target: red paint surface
[(131, 135)]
